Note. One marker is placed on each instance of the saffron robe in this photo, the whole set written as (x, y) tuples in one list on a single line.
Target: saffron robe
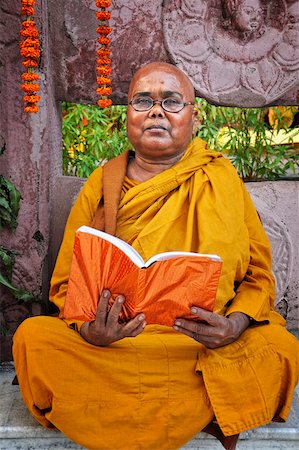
[(159, 389)]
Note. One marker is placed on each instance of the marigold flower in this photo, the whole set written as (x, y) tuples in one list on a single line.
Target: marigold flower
[(103, 61), (103, 52), (104, 70), (29, 49), (28, 2), (103, 80), (104, 90), (29, 76), (28, 24), (103, 15), (29, 63), (104, 40), (29, 32), (29, 42), (103, 29), (30, 87), (31, 108), (30, 52), (31, 98), (27, 11), (103, 3), (105, 102)]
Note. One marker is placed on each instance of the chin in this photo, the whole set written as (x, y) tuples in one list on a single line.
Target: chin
[(158, 152)]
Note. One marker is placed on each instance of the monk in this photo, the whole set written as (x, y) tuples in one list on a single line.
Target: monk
[(110, 385)]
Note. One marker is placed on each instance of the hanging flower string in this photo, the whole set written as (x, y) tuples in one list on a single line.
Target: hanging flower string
[(30, 52), (104, 62)]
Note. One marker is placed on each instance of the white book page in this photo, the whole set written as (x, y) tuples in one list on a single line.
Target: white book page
[(122, 245), (176, 254)]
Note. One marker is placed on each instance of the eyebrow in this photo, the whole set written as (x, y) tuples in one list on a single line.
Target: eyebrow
[(165, 94)]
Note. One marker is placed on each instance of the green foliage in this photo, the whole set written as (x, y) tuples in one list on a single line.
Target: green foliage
[(92, 135), (3, 331), (7, 259), (253, 146), (9, 209), (9, 204)]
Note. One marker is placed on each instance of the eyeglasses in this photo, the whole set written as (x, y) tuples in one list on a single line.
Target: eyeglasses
[(172, 105)]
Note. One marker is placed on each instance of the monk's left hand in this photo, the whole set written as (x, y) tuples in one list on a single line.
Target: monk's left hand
[(215, 331)]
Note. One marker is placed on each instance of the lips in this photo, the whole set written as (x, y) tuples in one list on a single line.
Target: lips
[(156, 127)]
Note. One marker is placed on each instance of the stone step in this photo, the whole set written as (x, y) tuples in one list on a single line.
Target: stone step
[(19, 430)]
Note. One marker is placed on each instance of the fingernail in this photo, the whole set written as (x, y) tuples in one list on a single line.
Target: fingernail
[(144, 324), (176, 328), (177, 322), (120, 299), (140, 318), (194, 310), (106, 293)]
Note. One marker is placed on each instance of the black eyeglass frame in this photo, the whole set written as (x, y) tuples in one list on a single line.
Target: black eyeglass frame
[(162, 105)]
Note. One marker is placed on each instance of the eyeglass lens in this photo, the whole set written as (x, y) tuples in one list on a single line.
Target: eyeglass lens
[(168, 104)]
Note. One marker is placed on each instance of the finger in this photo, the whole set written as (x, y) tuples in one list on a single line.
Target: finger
[(193, 327), (189, 332), (207, 341), (102, 309), (208, 316), (137, 330), (134, 324), (115, 310)]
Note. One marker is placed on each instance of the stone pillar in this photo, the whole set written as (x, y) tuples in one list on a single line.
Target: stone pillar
[(31, 160)]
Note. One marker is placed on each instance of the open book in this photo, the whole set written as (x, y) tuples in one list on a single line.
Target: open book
[(163, 288)]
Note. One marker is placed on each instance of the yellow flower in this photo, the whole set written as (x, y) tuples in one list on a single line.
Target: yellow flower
[(81, 147), (71, 153)]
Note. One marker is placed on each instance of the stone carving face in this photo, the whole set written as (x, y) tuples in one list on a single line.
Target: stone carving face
[(237, 52), (245, 16)]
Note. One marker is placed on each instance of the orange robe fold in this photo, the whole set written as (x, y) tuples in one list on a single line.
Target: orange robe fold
[(159, 389)]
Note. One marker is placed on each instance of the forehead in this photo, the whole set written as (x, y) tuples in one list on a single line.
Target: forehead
[(252, 3), (158, 81)]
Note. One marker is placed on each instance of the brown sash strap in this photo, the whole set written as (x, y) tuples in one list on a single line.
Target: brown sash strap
[(114, 172), (228, 442)]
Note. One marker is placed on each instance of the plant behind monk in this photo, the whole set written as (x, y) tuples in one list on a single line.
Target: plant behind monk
[(92, 135), (245, 137), (9, 209)]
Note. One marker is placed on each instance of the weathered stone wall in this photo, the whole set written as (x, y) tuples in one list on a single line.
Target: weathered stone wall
[(249, 64), (263, 69), (31, 160)]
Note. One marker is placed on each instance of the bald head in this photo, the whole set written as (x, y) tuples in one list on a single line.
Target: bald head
[(163, 68)]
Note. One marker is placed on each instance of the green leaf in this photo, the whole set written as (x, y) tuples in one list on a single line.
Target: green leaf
[(8, 258), (20, 294)]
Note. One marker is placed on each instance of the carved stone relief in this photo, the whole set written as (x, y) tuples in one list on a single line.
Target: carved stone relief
[(236, 51), (281, 245)]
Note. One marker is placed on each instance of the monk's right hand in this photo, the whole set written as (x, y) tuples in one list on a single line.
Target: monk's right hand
[(106, 329)]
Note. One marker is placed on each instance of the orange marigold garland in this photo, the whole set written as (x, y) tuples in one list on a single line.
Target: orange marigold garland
[(29, 49), (104, 62)]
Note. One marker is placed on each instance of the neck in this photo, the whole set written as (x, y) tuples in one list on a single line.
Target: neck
[(142, 169)]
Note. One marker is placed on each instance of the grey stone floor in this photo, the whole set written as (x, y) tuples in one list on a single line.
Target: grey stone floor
[(18, 429)]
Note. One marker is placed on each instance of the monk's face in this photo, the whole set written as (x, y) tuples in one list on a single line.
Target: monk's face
[(158, 134)]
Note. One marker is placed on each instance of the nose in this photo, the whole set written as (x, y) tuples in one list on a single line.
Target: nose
[(156, 110)]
